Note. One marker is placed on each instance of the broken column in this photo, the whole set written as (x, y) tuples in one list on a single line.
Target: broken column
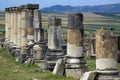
[(39, 49), (37, 25), (75, 63), (54, 42), (106, 55)]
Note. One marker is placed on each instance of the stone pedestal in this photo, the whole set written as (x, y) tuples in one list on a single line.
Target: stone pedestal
[(52, 56), (39, 52), (107, 75)]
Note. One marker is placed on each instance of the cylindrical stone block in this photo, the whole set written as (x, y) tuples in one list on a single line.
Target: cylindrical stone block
[(75, 21), (75, 33), (106, 50), (54, 33), (74, 43)]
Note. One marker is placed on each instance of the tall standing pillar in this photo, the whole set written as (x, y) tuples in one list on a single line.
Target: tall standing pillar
[(30, 29), (6, 22), (9, 28), (12, 20), (15, 13), (6, 27), (54, 42), (39, 49), (23, 33), (106, 55), (37, 25), (24, 26), (75, 65), (19, 27)]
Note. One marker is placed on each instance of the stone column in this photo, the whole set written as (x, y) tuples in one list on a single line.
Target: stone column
[(6, 22), (24, 26), (9, 28), (30, 29), (6, 27), (37, 25), (11, 44), (23, 33), (12, 20), (19, 28), (39, 49), (54, 33), (106, 55), (15, 25), (54, 42), (75, 65)]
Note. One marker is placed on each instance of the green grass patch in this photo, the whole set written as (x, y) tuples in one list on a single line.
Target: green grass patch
[(9, 70)]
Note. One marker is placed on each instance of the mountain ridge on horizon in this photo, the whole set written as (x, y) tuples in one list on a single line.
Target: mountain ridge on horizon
[(108, 8)]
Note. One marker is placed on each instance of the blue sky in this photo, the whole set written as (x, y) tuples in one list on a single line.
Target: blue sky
[(47, 3)]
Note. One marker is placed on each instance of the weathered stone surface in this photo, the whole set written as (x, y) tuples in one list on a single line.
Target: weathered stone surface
[(59, 68), (89, 75), (74, 37), (29, 24), (107, 75), (106, 45), (19, 29), (54, 21), (37, 26), (106, 51), (54, 33), (75, 73), (75, 21), (38, 54), (24, 29)]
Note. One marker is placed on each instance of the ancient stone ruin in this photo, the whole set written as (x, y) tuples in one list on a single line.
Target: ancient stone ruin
[(29, 43)]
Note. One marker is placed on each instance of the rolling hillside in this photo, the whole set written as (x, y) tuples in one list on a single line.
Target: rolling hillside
[(109, 8)]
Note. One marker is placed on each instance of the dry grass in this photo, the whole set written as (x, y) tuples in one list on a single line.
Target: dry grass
[(2, 21)]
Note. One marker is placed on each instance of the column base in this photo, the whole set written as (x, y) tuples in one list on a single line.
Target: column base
[(75, 66), (41, 63), (52, 56), (107, 75), (75, 73)]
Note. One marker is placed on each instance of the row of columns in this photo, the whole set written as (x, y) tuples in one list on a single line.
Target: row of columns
[(24, 23), (21, 24)]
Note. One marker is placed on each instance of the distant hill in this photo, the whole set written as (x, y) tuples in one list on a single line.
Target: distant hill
[(109, 8)]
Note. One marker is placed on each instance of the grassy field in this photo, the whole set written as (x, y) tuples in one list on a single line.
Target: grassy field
[(92, 21), (9, 70)]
